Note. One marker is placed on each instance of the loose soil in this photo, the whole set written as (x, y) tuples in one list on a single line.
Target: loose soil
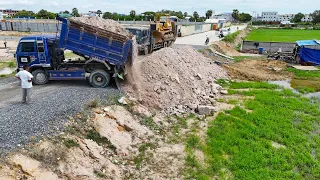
[(107, 24), (173, 76), (258, 70)]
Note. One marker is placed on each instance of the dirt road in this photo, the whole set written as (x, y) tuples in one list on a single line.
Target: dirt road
[(199, 39), (51, 104)]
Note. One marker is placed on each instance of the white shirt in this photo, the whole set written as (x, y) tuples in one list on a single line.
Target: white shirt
[(25, 76)]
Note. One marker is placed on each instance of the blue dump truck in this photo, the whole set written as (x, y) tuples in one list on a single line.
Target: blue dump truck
[(104, 53)]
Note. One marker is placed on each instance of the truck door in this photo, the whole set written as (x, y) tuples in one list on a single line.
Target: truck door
[(41, 53), (26, 53)]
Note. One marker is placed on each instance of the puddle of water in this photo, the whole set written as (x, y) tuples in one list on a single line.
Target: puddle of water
[(6, 71), (296, 83)]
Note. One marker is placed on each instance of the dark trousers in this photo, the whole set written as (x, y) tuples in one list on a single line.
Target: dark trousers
[(26, 95)]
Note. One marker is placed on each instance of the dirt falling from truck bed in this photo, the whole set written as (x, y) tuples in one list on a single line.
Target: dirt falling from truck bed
[(174, 77), (107, 24)]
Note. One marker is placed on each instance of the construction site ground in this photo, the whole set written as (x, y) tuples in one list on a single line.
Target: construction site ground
[(164, 125)]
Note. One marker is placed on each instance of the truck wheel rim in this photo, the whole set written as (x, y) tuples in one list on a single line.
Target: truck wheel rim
[(41, 77), (99, 80)]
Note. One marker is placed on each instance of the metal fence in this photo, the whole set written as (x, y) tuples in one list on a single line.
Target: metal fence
[(270, 47), (29, 26)]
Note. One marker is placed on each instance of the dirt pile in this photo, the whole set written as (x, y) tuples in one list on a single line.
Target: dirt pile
[(175, 79), (107, 24), (258, 70)]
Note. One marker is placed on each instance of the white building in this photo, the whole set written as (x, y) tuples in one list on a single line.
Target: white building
[(227, 16), (269, 16), (307, 18), (285, 17)]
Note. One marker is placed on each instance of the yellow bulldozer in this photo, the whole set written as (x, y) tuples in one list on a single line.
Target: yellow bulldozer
[(164, 30)]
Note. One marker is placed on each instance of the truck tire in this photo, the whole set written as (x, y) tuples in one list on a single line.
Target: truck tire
[(151, 49), (40, 77), (146, 50), (99, 78)]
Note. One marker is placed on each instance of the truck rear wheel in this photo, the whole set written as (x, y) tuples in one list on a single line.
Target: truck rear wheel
[(99, 78), (40, 77), (146, 50)]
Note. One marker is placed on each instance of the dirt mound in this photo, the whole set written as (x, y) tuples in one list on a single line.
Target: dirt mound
[(225, 48), (260, 70), (174, 77), (107, 24)]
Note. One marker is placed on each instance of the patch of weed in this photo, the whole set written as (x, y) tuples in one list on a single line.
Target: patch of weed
[(223, 82), (12, 64), (99, 174), (143, 156), (231, 37), (254, 85), (192, 141), (95, 136), (239, 58), (305, 90), (233, 101), (304, 74), (69, 143)]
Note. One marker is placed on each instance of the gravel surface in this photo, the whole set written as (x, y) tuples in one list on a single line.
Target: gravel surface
[(47, 113)]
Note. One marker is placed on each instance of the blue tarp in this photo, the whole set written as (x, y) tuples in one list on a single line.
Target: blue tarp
[(310, 55), (307, 43)]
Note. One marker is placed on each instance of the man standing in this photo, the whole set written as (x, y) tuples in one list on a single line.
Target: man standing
[(26, 83)]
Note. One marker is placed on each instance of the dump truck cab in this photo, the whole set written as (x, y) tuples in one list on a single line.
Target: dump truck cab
[(143, 36), (37, 51)]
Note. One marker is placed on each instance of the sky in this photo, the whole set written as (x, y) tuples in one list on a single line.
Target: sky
[(140, 6)]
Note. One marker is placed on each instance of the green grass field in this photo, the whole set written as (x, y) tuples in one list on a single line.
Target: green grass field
[(282, 35), (278, 138)]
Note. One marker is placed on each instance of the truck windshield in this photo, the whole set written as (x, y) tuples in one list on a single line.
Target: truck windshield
[(136, 32), (26, 47)]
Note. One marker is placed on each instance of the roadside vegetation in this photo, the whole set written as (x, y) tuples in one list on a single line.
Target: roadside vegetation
[(282, 35), (230, 38), (275, 135)]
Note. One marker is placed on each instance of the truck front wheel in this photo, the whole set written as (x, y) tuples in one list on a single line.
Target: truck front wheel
[(40, 77), (99, 78)]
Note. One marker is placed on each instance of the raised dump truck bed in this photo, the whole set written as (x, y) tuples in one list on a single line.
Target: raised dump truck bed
[(105, 54), (95, 43)]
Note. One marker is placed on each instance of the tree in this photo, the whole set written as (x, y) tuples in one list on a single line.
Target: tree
[(298, 17), (43, 14), (24, 13), (209, 14), (244, 17), (115, 16), (107, 15), (74, 12), (235, 14), (149, 15), (195, 15), (99, 12), (315, 17), (185, 14), (133, 14), (66, 12)]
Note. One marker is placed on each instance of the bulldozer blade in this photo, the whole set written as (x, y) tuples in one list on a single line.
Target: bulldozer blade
[(157, 35)]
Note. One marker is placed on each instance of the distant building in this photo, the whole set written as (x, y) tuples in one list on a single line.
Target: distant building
[(9, 12), (227, 16), (307, 18), (269, 16), (286, 17)]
